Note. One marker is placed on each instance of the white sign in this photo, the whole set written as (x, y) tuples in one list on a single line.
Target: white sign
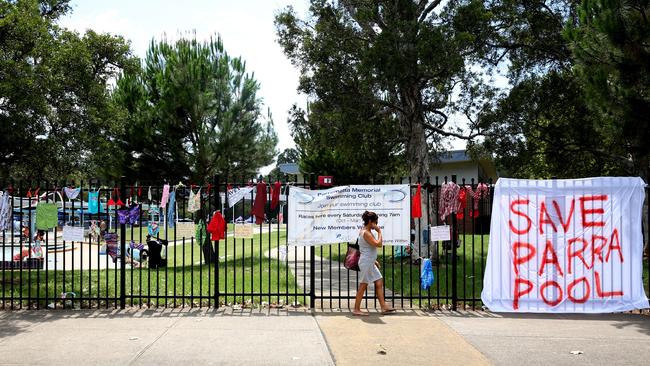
[(440, 233), (566, 246), (334, 215), (185, 230), (244, 231), (73, 233)]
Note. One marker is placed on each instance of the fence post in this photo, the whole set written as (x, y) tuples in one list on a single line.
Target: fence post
[(122, 251), (217, 203), (312, 260), (454, 240)]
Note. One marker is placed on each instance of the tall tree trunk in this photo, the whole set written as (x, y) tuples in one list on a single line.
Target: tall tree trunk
[(417, 152), (419, 160), (417, 149)]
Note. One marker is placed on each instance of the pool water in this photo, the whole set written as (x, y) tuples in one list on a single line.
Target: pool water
[(7, 252)]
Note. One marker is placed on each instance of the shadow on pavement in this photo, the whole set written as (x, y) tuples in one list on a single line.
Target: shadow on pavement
[(16, 322), (640, 321)]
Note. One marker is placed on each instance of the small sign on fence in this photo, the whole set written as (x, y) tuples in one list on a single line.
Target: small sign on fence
[(73, 233), (440, 233), (185, 230), (244, 231)]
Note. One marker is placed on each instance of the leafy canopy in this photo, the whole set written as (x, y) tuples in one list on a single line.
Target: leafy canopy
[(383, 78), (54, 101), (191, 111)]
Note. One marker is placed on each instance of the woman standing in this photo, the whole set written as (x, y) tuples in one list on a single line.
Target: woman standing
[(368, 265)]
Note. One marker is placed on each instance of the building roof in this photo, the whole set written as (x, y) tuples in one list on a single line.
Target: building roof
[(289, 168), (454, 156)]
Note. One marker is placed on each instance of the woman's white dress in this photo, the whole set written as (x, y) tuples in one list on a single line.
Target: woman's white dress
[(368, 272)]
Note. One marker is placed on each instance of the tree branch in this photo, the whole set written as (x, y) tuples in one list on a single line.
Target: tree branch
[(444, 116), (509, 46), (391, 105), (450, 133), (428, 9)]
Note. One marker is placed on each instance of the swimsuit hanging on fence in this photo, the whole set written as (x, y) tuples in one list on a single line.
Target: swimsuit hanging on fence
[(37, 249), (448, 199), (165, 196), (112, 249), (201, 233), (153, 228), (129, 216), (138, 191), (5, 211), (71, 193), (94, 231), (117, 203), (93, 202), (194, 203), (134, 245), (462, 203), (275, 194), (426, 275), (416, 203), (33, 195), (217, 226), (482, 190), (171, 209)]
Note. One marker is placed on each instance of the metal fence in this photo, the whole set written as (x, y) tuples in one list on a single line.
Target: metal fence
[(171, 268)]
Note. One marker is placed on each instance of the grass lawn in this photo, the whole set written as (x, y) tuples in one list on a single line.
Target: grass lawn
[(404, 278), (243, 272)]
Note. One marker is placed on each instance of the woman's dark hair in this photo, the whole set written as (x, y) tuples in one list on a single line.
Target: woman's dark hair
[(369, 216)]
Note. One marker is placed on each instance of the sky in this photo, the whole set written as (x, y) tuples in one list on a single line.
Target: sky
[(246, 28)]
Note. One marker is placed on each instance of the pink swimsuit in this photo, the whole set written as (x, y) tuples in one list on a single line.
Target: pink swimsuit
[(165, 196)]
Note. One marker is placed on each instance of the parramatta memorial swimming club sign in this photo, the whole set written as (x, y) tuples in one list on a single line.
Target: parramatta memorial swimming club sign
[(566, 246), (334, 215)]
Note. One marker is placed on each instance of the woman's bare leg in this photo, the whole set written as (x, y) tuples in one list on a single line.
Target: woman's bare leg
[(357, 301), (379, 291)]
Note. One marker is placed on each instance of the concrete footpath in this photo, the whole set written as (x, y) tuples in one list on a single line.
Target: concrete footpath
[(160, 338), (302, 337), (549, 339), (333, 280)]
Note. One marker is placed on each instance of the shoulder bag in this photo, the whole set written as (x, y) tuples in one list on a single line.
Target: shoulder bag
[(352, 257)]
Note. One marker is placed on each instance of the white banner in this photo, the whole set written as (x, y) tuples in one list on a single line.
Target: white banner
[(566, 246), (334, 215)]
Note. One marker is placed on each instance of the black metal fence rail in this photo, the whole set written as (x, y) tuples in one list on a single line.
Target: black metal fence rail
[(172, 268)]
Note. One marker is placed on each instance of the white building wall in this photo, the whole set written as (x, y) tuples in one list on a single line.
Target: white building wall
[(467, 170)]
